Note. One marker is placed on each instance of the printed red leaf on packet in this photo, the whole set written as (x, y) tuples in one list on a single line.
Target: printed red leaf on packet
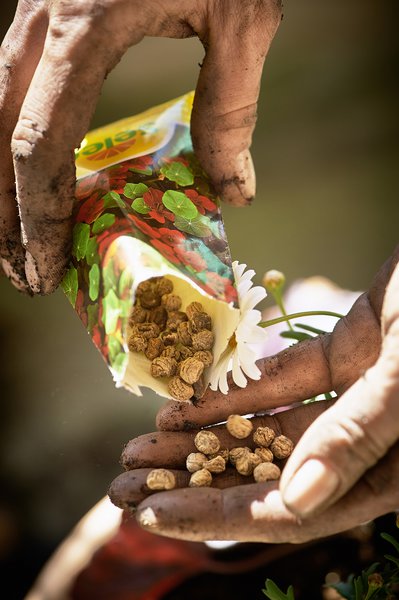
[(142, 212)]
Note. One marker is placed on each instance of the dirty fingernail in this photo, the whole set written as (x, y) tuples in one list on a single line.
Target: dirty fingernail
[(147, 518), (310, 487), (17, 278), (239, 189), (32, 274)]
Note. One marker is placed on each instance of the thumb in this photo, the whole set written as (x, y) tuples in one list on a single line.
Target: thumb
[(352, 436), (224, 113)]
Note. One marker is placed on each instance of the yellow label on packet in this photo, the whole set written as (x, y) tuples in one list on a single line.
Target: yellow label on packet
[(132, 137)]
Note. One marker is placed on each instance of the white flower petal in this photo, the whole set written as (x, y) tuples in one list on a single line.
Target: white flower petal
[(252, 298), (242, 358), (219, 373), (238, 269), (247, 361), (258, 334), (238, 375)]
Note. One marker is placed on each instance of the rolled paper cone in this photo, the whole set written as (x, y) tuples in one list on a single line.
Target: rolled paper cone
[(144, 208)]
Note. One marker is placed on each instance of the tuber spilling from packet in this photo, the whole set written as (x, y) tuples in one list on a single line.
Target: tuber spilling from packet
[(151, 276)]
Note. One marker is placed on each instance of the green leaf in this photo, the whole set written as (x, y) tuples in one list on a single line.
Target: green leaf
[(113, 200), (92, 256), (80, 238), (135, 190), (126, 307), (94, 282), (144, 171), (393, 559), (120, 362), (140, 206), (125, 282), (110, 279), (70, 285), (111, 312), (273, 592), (106, 220), (179, 204), (92, 316), (310, 328), (299, 336), (199, 227), (176, 171), (114, 347), (391, 540)]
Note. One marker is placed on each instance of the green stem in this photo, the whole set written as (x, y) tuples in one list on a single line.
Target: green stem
[(281, 306), (306, 313)]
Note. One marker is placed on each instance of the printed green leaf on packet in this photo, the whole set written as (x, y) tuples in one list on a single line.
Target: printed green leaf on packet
[(144, 209)]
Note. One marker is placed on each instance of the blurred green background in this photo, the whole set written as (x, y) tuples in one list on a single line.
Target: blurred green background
[(326, 156)]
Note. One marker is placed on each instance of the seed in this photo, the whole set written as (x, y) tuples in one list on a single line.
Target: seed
[(282, 446), (138, 315), (195, 461), (169, 338), (161, 479), (163, 367), (265, 454), (180, 390), (237, 453), (193, 308), (185, 352), (159, 316), (223, 453), (150, 299), (201, 478), (191, 369), (164, 286), (200, 321), (246, 464), (264, 436), (183, 333), (266, 471), (154, 348), (206, 442), (144, 286), (171, 352), (175, 318), (147, 330), (203, 340), (171, 302), (215, 465), (204, 356), (137, 343), (238, 426)]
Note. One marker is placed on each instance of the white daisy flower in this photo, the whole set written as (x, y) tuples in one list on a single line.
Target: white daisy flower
[(239, 357)]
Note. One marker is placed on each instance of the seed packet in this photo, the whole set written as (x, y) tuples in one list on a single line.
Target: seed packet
[(145, 212)]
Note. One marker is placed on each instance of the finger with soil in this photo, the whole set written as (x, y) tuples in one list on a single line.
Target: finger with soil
[(170, 449)]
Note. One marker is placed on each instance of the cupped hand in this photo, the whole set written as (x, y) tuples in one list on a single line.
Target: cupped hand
[(53, 62), (345, 466)]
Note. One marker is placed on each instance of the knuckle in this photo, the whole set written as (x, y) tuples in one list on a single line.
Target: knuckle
[(243, 117), (381, 481), (354, 438)]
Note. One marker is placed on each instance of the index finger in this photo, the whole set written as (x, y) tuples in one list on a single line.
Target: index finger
[(293, 375), (237, 39), (53, 119), (256, 512)]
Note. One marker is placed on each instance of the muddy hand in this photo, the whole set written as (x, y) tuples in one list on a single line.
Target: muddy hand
[(53, 62), (355, 439)]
